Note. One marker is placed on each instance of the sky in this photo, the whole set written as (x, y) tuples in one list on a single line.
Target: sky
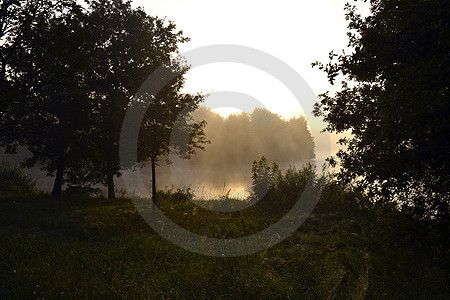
[(296, 32)]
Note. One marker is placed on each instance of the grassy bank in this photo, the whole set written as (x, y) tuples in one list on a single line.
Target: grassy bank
[(87, 247)]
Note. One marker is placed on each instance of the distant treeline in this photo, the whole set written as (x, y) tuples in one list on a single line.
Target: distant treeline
[(235, 142)]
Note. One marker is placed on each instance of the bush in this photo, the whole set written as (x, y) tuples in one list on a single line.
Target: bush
[(339, 197), (278, 191), (177, 195), (13, 181)]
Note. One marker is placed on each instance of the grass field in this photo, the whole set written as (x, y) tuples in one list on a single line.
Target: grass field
[(73, 247)]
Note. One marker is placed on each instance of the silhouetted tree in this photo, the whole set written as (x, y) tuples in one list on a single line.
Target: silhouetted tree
[(46, 97), (168, 126), (22, 50), (68, 74), (129, 46), (20, 21), (396, 105)]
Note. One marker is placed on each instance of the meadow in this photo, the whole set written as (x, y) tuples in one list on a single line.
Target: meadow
[(92, 247)]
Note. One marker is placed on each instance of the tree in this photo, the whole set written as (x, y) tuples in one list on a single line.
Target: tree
[(20, 21), (394, 100), (68, 76), (129, 46), (168, 126), (46, 100)]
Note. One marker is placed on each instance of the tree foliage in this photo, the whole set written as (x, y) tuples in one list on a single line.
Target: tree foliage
[(394, 100), (168, 127), (21, 21), (68, 74), (46, 104), (129, 45)]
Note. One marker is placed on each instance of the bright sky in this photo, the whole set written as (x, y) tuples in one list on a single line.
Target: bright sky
[(298, 32)]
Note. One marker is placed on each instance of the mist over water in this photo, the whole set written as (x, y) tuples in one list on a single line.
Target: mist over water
[(225, 164), (236, 141)]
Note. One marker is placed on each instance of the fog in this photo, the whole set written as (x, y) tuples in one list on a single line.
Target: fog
[(236, 141), (225, 164)]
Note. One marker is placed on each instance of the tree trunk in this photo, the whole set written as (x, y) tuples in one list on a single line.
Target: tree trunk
[(153, 163), (110, 180), (57, 186)]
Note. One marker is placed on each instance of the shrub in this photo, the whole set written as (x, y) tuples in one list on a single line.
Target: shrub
[(338, 197), (277, 191), (13, 181), (176, 195)]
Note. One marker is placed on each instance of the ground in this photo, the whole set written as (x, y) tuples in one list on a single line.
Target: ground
[(81, 247)]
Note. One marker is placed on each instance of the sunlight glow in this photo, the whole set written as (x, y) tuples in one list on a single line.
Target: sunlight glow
[(226, 111)]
